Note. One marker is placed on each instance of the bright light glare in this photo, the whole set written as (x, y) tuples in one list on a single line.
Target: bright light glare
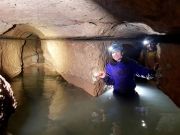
[(143, 124), (109, 90), (140, 90), (94, 76), (110, 49), (142, 121), (146, 42), (145, 91)]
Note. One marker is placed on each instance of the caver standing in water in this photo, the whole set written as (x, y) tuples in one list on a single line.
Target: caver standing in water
[(121, 71), (7, 104)]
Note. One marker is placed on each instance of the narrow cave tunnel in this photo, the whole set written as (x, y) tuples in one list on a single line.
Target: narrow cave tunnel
[(32, 54), (51, 65)]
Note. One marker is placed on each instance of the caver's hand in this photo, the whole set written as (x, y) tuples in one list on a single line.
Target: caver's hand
[(100, 74)]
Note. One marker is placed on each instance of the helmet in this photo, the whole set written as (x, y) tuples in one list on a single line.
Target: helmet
[(116, 46)]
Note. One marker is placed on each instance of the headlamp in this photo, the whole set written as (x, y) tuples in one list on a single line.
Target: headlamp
[(110, 49), (146, 42)]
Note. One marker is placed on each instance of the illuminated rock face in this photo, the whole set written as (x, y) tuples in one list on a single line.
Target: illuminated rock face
[(78, 61), (10, 57), (83, 60)]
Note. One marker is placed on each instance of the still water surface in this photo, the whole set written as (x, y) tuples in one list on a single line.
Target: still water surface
[(50, 107)]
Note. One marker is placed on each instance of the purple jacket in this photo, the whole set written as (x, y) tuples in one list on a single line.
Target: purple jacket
[(122, 74)]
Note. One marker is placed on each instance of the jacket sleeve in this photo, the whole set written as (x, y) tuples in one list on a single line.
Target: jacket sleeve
[(144, 72), (108, 78)]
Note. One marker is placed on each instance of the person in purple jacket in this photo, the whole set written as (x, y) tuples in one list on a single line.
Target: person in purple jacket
[(121, 71)]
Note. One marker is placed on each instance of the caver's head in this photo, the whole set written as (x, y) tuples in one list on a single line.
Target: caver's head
[(116, 50), (150, 44)]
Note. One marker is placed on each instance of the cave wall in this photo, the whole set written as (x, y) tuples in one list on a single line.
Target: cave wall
[(75, 61), (10, 56), (162, 16), (169, 69)]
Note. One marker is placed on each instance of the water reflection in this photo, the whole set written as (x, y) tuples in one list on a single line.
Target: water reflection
[(49, 107)]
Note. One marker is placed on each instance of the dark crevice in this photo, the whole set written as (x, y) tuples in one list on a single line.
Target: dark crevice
[(36, 50), (22, 50), (93, 23), (9, 29), (114, 25)]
